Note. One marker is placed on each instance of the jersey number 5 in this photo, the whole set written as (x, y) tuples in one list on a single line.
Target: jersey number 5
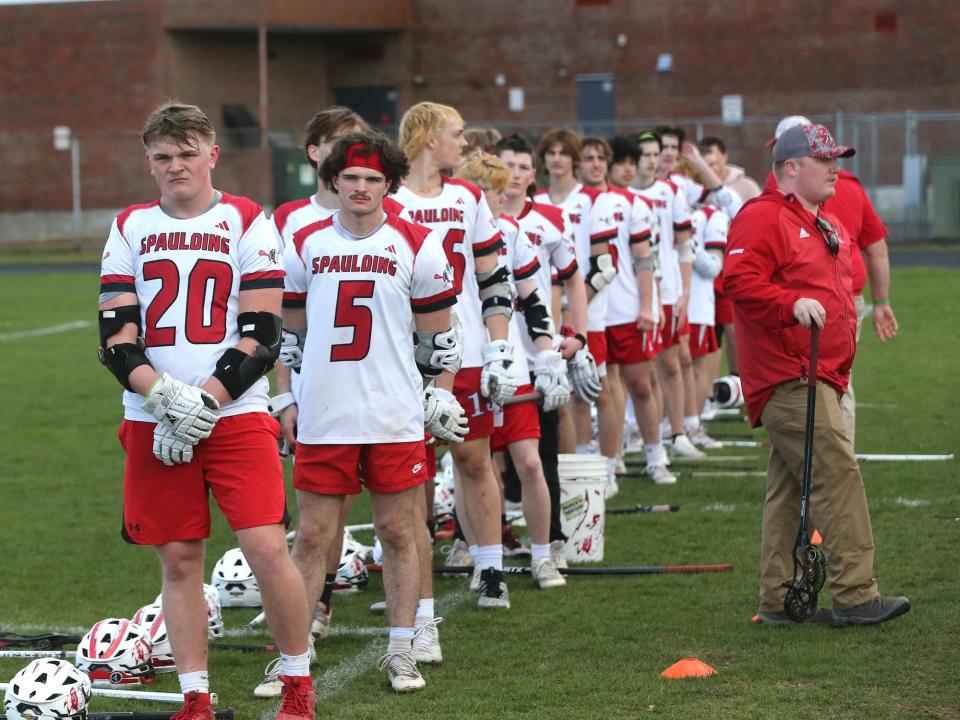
[(350, 315), (456, 259), (208, 290)]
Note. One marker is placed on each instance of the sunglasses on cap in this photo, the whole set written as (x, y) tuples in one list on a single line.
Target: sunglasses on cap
[(829, 235)]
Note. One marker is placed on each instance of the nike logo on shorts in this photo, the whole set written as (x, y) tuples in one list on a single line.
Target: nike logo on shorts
[(417, 468)]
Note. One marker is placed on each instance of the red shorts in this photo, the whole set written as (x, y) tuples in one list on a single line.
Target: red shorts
[(669, 334), (336, 469), (239, 463), (520, 422), (724, 308), (703, 340), (479, 410), (597, 345), (628, 346)]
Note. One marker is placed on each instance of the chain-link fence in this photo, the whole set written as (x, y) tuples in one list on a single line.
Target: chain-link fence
[(908, 162)]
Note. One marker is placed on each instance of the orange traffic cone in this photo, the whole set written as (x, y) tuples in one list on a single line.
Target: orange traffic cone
[(686, 668), (816, 538)]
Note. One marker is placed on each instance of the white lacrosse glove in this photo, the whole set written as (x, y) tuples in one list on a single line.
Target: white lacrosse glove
[(189, 412), (291, 348), (584, 376), (168, 448), (443, 416), (551, 379), (496, 380)]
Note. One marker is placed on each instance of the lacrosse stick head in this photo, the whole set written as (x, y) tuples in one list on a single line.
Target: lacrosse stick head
[(810, 573), (48, 689), (116, 651)]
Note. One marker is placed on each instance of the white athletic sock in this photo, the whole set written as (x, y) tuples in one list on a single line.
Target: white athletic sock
[(650, 451), (539, 552), (425, 608), (295, 665), (583, 449), (489, 556), (400, 640), (199, 681), (611, 469), (691, 423)]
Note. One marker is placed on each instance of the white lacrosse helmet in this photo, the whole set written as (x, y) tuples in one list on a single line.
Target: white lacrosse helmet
[(116, 651), (47, 689), (214, 613), (150, 617), (444, 503), (727, 392), (351, 544), (352, 575), (235, 582)]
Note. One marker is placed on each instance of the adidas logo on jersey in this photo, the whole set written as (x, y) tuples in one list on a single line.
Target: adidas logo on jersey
[(390, 249), (804, 234), (222, 225), (459, 201)]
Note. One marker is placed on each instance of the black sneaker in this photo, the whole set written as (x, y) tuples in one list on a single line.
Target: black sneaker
[(493, 590), (821, 616), (871, 612)]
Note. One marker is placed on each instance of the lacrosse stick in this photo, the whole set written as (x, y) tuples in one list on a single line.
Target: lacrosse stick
[(218, 714), (641, 570), (134, 695), (47, 641), (809, 562), (642, 509), (61, 654)]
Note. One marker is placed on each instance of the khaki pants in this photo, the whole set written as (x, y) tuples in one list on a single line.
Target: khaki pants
[(838, 502), (848, 404)]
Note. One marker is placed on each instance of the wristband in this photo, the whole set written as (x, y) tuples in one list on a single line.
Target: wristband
[(281, 402), (581, 338), (881, 302)]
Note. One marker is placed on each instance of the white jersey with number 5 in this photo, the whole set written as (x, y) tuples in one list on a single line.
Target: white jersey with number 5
[(359, 379), (188, 275), (462, 220)]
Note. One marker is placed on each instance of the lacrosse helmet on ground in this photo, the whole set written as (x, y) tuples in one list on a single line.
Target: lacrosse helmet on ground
[(48, 689), (727, 392), (235, 582), (116, 651), (352, 575), (150, 618)]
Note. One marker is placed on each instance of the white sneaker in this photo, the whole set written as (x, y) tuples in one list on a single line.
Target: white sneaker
[(611, 488), (621, 468), (682, 447), (320, 627), (660, 475), (459, 554), (702, 440), (426, 641), (475, 580), (493, 590), (709, 410), (379, 608), (402, 671), (558, 553), (546, 575), (271, 685)]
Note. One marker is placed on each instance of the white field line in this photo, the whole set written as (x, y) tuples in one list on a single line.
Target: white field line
[(338, 630), (719, 507), (336, 679), (911, 502), (30, 629), (877, 406), (729, 474), (52, 330), (868, 457)]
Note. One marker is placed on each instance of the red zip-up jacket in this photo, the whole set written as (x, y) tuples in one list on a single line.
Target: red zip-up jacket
[(775, 255)]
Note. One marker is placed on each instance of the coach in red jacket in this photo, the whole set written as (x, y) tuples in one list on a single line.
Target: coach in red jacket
[(788, 266)]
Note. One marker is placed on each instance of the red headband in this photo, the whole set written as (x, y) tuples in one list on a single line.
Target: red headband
[(360, 156)]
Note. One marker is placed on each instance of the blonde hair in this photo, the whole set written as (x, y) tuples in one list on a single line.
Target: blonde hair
[(180, 122), (481, 139), (488, 172), (422, 122)]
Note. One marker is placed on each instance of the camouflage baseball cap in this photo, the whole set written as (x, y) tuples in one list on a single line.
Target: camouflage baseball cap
[(808, 141)]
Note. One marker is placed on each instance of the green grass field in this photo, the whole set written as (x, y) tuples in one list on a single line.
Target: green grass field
[(592, 650)]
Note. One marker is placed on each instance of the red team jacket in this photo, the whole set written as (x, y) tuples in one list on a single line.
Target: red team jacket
[(776, 255)]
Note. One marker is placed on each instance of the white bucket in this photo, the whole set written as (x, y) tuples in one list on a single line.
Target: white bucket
[(583, 479)]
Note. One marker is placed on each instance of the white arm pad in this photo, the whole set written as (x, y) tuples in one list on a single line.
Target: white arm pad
[(706, 264)]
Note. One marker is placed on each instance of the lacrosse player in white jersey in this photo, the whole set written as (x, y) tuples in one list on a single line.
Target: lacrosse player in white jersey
[(359, 285), (519, 431), (189, 325), (431, 135), (552, 237)]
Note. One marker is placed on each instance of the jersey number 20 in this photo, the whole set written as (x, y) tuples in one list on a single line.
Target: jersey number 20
[(204, 324)]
